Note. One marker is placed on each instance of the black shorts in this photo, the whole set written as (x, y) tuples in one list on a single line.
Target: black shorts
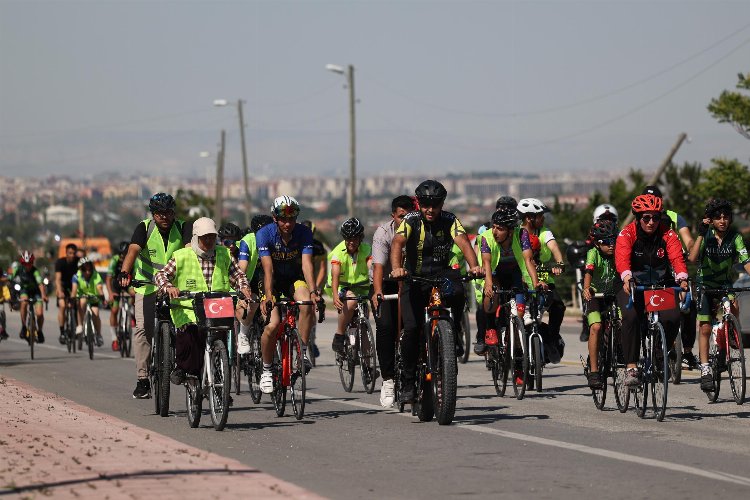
[(283, 286)]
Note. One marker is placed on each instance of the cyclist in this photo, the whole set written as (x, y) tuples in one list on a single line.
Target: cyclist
[(350, 261), (598, 274), (200, 267), (30, 280), (285, 250), (151, 247), (114, 288), (427, 236), (65, 268), (688, 318), (647, 252), (508, 263), (88, 286), (386, 325), (717, 247), (248, 262), (4, 297)]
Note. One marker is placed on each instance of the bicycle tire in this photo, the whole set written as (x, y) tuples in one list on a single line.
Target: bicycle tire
[(218, 393), (622, 392), (312, 346), (236, 360), (713, 361), (255, 368), (164, 367), (89, 333), (660, 372), (640, 393), (70, 330), (297, 384), (520, 358), (279, 391), (346, 365), (499, 359), (128, 337), (537, 364), (445, 374), (194, 402), (675, 359), (736, 361), (31, 329), (368, 363), (600, 395), (466, 329), (423, 406), (398, 376)]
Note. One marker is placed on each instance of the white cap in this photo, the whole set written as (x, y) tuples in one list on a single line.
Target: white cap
[(204, 226)]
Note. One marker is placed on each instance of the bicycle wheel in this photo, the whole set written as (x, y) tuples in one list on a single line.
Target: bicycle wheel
[(236, 361), (445, 372), (537, 362), (713, 361), (367, 359), (279, 391), (622, 393), (736, 361), (499, 359), (640, 393), (346, 365), (660, 372), (31, 328), (675, 359), (254, 365), (218, 392), (398, 375), (600, 395), (164, 368), (520, 361), (70, 330), (423, 407), (297, 381), (312, 347), (88, 331), (128, 335), (194, 401), (466, 328)]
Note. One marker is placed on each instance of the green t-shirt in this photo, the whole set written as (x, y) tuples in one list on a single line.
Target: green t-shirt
[(353, 268), (716, 259), (602, 270)]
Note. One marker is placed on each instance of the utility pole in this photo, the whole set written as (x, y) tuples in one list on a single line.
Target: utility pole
[(352, 142), (244, 163), (219, 202), (664, 164)]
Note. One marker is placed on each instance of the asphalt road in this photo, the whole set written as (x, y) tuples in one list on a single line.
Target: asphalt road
[(553, 444)]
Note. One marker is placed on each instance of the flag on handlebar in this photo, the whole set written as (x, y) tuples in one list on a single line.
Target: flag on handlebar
[(659, 300), (219, 308)]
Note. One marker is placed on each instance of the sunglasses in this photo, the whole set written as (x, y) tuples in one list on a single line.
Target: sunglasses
[(164, 215), (608, 242), (429, 202), (648, 218)]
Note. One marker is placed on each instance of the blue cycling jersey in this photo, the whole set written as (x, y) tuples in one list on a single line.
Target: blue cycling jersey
[(287, 257)]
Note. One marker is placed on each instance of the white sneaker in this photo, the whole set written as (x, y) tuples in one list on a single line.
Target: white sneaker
[(243, 344), (527, 318), (79, 330), (266, 382), (387, 394)]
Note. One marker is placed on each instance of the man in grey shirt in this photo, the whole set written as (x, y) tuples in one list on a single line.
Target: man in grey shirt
[(386, 324)]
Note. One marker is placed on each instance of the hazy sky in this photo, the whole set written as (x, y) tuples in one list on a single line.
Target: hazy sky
[(94, 86)]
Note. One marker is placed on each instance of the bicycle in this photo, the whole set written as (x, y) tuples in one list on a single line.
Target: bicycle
[(359, 348), (32, 328), (726, 351), (675, 354), (289, 366), (497, 357), (609, 355), (125, 322), (654, 362), (70, 322), (215, 382), (89, 331), (251, 364), (466, 326), (437, 365)]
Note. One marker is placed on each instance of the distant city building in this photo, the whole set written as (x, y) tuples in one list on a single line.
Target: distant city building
[(59, 214)]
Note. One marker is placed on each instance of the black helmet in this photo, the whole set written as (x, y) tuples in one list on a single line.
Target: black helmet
[(123, 247), (603, 230), (260, 221), (161, 201), (718, 206), (431, 190), (506, 201), (505, 217), (229, 231), (351, 228)]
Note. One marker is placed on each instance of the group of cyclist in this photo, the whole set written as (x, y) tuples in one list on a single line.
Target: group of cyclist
[(278, 257)]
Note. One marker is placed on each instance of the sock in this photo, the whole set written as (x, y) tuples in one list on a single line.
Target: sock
[(61, 329), (113, 331), (267, 367), (304, 349), (704, 368), (244, 329)]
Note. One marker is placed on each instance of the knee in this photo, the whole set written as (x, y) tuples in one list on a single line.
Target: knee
[(595, 328)]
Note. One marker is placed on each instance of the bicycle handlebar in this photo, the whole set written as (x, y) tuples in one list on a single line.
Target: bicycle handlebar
[(643, 288)]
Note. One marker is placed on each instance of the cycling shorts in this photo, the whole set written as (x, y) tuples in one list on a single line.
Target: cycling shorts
[(283, 287), (707, 310)]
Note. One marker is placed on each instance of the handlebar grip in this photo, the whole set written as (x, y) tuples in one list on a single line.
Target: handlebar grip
[(321, 311), (380, 303)]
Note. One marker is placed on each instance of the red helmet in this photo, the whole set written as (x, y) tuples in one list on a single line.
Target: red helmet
[(646, 203), (26, 258)]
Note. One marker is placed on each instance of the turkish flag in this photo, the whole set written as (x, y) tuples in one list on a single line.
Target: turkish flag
[(659, 300), (219, 308)]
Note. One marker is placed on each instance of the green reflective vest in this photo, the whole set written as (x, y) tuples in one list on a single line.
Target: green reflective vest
[(88, 287), (153, 257), (495, 256), (673, 217), (189, 278), (252, 262), (351, 273), (545, 254)]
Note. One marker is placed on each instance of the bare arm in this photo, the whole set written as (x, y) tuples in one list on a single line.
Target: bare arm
[(557, 255), (58, 285), (528, 257), (335, 275), (465, 245), (397, 246), (320, 278)]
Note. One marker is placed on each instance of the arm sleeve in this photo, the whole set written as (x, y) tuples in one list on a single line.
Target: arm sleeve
[(484, 246), (525, 240), (674, 251), (307, 241), (139, 235), (244, 251), (236, 277), (590, 261), (623, 249), (163, 278), (457, 228), (381, 247), (262, 241), (58, 265), (739, 245), (681, 222)]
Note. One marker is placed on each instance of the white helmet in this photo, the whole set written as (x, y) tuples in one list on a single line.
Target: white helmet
[(285, 206), (531, 206), (83, 261), (605, 211)]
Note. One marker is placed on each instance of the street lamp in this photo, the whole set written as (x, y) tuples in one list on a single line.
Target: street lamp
[(349, 73), (224, 102)]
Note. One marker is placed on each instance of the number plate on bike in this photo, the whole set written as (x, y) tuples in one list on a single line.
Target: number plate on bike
[(219, 308), (659, 300)]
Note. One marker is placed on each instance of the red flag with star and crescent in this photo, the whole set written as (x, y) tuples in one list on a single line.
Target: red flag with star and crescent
[(219, 308), (659, 300)]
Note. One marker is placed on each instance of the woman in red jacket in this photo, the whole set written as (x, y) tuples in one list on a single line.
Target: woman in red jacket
[(647, 252)]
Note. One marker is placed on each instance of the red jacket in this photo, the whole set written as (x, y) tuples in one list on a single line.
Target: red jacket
[(649, 259)]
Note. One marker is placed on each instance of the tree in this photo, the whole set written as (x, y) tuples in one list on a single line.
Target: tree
[(734, 107), (681, 184), (728, 179), (187, 200)]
